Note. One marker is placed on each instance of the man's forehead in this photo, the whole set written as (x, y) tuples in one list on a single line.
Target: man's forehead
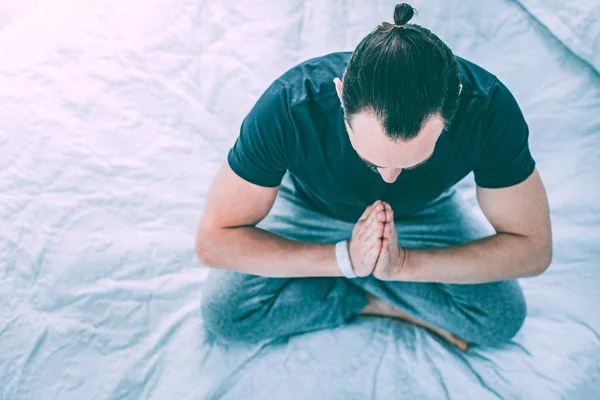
[(373, 146), (366, 122)]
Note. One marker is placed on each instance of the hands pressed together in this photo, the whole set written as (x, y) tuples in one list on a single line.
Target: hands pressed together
[(374, 247)]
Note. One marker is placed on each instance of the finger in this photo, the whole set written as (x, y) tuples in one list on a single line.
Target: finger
[(389, 214), (371, 240), (361, 227), (377, 203), (373, 230), (393, 232), (365, 214), (372, 212), (387, 231), (371, 219), (369, 234), (380, 229)]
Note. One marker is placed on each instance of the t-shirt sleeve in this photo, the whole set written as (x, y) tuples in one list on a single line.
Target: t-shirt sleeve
[(258, 155), (505, 159)]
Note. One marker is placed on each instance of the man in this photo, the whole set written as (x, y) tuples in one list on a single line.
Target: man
[(373, 158)]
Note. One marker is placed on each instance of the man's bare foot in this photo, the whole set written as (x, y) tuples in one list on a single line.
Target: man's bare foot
[(376, 306)]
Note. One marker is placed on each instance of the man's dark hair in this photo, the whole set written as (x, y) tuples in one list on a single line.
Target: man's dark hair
[(402, 74)]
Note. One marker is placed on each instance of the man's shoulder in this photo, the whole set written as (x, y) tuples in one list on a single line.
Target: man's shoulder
[(494, 97), (312, 79), (477, 81), (484, 96)]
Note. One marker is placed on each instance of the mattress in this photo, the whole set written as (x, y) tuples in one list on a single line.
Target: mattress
[(115, 116)]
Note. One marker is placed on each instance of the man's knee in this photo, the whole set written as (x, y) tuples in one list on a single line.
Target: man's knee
[(501, 321), (227, 313), (220, 319)]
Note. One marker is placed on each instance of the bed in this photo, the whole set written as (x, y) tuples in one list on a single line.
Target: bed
[(114, 117)]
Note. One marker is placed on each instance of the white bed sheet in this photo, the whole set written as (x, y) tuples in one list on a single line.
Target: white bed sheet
[(114, 116)]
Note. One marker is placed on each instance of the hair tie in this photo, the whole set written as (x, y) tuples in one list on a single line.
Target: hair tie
[(390, 27)]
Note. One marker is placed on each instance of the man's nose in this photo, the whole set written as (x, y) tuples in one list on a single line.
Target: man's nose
[(390, 175)]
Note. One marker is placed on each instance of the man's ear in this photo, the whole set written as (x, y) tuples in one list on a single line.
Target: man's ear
[(338, 87)]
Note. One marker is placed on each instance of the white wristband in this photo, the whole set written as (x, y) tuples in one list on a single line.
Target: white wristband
[(343, 259)]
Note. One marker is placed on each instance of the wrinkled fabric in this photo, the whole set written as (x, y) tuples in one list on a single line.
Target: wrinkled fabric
[(574, 22), (115, 116)]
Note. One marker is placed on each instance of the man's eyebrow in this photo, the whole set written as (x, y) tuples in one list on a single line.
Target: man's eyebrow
[(408, 168), (421, 163), (368, 162)]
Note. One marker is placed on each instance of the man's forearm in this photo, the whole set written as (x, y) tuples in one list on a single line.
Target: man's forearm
[(498, 257), (259, 252)]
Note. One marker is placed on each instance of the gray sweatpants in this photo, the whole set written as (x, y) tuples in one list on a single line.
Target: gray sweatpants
[(249, 308)]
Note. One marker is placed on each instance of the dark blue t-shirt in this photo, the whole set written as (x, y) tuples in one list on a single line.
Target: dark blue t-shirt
[(297, 126)]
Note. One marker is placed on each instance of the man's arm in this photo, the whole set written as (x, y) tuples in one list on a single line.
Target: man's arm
[(227, 237), (521, 247)]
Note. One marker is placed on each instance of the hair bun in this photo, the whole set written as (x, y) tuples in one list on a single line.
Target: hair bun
[(403, 13)]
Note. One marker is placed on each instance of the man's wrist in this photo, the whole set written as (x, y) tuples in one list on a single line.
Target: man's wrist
[(402, 268), (343, 259), (333, 270)]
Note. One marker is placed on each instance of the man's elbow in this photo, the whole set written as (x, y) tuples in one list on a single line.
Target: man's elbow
[(201, 252), (205, 248), (543, 259)]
